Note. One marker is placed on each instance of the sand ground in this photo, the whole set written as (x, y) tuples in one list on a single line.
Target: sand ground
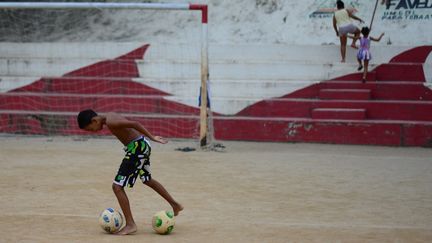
[(53, 189)]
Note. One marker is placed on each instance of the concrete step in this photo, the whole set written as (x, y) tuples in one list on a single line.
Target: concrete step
[(64, 123), (253, 88), (413, 72), (400, 72), (242, 92), (119, 103), (227, 52), (225, 88), (245, 52), (401, 90), (221, 105), (356, 76), (55, 67), (338, 113), (67, 50), (31, 67), (8, 83), (301, 108), (367, 132), (242, 71), (102, 102), (345, 94), (92, 85), (41, 67), (258, 89), (383, 110)]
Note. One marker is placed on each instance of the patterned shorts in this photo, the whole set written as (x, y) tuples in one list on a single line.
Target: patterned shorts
[(135, 163)]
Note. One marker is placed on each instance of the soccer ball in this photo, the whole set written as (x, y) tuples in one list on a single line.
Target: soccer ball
[(163, 222), (110, 220)]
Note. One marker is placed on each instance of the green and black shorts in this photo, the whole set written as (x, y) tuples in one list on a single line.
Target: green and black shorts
[(135, 163)]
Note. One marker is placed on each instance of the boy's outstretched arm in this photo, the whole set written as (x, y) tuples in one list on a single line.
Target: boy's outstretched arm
[(377, 39)]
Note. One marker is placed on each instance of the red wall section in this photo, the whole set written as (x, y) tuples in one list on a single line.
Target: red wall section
[(415, 55), (308, 130)]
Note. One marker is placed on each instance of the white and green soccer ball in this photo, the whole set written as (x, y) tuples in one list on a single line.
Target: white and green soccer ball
[(163, 222), (110, 220)]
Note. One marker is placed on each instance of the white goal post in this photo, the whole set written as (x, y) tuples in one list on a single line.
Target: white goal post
[(152, 6)]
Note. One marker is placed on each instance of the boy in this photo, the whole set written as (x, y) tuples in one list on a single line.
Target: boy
[(136, 161)]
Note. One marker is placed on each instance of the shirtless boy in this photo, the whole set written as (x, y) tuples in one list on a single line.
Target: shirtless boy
[(135, 163)]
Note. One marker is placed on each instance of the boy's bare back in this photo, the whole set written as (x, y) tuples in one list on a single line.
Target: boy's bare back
[(126, 130), (121, 128)]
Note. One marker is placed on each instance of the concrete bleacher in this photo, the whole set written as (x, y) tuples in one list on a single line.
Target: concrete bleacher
[(260, 93), (240, 75), (384, 110)]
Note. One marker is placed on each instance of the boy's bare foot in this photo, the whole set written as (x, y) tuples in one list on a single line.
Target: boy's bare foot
[(343, 60), (127, 230), (177, 208)]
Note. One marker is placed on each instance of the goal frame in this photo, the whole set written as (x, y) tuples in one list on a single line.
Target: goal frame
[(151, 6)]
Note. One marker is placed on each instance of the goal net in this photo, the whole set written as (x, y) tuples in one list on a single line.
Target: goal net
[(146, 61)]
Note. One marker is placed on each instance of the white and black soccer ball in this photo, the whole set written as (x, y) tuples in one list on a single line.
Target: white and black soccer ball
[(110, 220), (163, 222)]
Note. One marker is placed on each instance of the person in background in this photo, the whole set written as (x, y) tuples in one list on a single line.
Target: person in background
[(364, 55), (343, 26)]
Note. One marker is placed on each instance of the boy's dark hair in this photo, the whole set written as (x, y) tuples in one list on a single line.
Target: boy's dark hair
[(365, 31), (340, 4), (85, 117)]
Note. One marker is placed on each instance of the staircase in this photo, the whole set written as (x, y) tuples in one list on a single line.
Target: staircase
[(393, 107)]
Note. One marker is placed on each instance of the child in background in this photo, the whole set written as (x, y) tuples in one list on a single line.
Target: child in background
[(364, 53), (343, 26)]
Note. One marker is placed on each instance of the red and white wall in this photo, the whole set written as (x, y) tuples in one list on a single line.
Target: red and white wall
[(258, 52)]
